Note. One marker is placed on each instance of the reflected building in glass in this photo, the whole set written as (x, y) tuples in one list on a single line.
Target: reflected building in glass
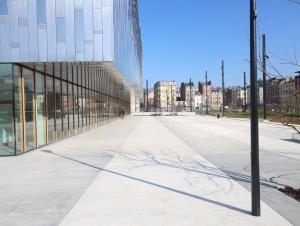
[(66, 66)]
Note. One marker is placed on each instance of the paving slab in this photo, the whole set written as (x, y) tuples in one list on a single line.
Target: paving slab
[(226, 143), (157, 179)]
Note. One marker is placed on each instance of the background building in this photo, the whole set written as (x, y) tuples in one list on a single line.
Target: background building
[(187, 93), (198, 101), (207, 95), (67, 66), (216, 99), (165, 95), (287, 91)]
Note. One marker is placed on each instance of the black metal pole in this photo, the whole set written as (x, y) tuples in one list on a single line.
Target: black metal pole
[(254, 114), (264, 75), (206, 99), (147, 95), (191, 108), (245, 93), (223, 89)]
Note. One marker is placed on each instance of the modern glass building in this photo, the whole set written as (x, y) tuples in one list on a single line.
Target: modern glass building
[(66, 66)]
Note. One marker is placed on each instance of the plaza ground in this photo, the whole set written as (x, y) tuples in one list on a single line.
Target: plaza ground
[(143, 170)]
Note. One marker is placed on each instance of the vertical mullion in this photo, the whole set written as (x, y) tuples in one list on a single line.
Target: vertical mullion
[(68, 107), (61, 104), (54, 100), (34, 107), (14, 108), (23, 109), (46, 102)]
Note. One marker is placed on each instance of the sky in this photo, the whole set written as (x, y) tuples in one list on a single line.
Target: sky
[(184, 38)]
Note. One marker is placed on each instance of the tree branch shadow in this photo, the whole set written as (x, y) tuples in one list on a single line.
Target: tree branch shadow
[(234, 208), (193, 166)]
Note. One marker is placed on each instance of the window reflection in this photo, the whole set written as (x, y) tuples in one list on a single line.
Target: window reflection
[(50, 109), (3, 7), (6, 110), (41, 11), (18, 109), (58, 111), (60, 29), (79, 34), (29, 102), (65, 115), (40, 109), (71, 108)]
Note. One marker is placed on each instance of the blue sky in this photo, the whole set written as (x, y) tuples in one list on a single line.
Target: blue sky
[(183, 38)]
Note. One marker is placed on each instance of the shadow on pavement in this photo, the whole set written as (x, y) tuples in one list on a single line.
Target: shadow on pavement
[(193, 166), (154, 184)]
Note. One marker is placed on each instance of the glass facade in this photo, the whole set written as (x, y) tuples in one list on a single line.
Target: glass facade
[(48, 102), (6, 110), (65, 67)]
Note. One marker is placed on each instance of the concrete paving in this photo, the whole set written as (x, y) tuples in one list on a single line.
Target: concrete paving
[(226, 143), (137, 171)]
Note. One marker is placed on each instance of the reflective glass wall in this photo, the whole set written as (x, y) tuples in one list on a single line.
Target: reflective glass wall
[(44, 103), (6, 110)]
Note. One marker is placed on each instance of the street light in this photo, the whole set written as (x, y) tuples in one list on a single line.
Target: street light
[(255, 185), (206, 100)]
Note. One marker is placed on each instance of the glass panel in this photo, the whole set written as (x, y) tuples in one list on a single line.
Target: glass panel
[(80, 105), (39, 67), (3, 7), (65, 109), (75, 72), (50, 110), (71, 109), (7, 145), (41, 11), (70, 73), (85, 107), (57, 70), (76, 109), (60, 29), (18, 109), (94, 107), (40, 109), (30, 129), (79, 34), (64, 71), (88, 108), (58, 112), (49, 68)]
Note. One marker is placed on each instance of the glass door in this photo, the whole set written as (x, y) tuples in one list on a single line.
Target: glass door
[(40, 109), (29, 102)]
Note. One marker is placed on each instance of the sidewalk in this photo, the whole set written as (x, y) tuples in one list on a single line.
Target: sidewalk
[(153, 182), (131, 172)]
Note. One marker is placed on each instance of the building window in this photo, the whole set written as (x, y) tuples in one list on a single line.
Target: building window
[(18, 109), (41, 11), (50, 109), (60, 29), (58, 109), (40, 109), (79, 34), (3, 7), (6, 111), (29, 104)]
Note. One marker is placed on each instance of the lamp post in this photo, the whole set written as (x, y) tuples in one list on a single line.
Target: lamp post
[(191, 107), (245, 93), (147, 95), (206, 98), (223, 91), (264, 75), (254, 114)]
